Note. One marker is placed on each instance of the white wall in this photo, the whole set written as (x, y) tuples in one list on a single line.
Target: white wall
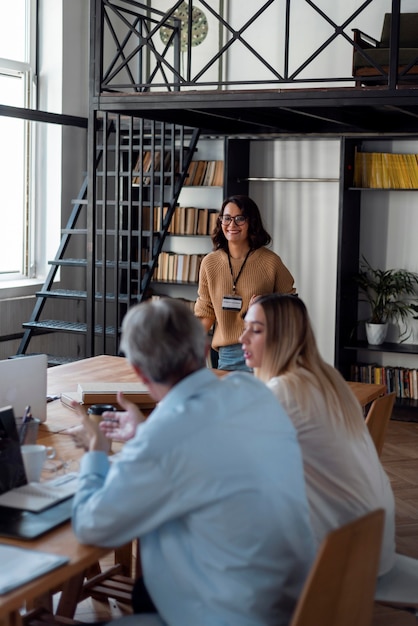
[(308, 32), (302, 218), (63, 88), (60, 160)]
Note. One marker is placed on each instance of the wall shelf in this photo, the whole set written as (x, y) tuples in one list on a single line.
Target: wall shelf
[(361, 215), (400, 348), (383, 189), (264, 179)]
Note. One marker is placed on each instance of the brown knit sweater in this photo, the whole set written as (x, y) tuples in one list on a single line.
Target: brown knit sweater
[(264, 272)]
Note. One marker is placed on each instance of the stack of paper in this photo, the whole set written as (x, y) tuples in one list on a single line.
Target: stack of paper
[(106, 393), (21, 565)]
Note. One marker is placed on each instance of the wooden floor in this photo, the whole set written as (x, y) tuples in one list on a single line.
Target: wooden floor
[(400, 459)]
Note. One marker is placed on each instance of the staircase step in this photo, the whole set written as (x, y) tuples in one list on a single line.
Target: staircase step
[(79, 201), (126, 233), (68, 327), (72, 294), (127, 138), (69, 262), (83, 263)]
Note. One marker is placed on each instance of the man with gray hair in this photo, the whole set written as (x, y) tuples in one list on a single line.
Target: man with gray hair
[(211, 482)]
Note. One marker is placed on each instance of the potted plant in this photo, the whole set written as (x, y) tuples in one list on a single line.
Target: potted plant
[(389, 294)]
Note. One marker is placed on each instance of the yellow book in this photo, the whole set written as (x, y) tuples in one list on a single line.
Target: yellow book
[(375, 170), (412, 170), (402, 181), (387, 166)]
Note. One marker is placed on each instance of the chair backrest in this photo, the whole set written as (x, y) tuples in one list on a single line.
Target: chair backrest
[(340, 587), (408, 30), (377, 419)]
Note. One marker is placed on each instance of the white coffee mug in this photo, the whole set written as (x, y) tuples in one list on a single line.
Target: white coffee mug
[(34, 457)]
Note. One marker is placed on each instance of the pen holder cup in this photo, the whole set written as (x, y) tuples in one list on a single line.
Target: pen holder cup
[(28, 431), (95, 413)]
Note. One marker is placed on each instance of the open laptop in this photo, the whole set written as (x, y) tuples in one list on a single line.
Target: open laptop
[(23, 383), (20, 522)]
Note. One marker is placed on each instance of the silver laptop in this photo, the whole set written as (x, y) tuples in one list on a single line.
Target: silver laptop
[(23, 383)]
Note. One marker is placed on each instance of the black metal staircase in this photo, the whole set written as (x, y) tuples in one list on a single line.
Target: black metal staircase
[(115, 233)]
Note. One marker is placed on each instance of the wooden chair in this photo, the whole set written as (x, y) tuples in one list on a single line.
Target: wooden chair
[(339, 590), (116, 582), (341, 585), (377, 419), (371, 63)]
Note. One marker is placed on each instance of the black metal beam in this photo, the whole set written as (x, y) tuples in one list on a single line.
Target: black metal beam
[(313, 111), (43, 116)]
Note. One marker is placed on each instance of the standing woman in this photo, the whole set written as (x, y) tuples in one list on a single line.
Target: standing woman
[(239, 268), (343, 474)]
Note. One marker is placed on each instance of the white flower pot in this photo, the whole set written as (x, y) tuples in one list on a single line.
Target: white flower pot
[(376, 333)]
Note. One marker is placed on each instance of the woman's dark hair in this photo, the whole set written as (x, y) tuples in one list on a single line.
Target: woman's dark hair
[(257, 234)]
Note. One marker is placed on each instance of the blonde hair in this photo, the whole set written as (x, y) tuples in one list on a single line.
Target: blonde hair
[(291, 351)]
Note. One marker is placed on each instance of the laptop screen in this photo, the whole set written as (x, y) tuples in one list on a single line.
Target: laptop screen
[(12, 471), (23, 382)]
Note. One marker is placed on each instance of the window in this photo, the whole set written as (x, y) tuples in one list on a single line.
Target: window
[(17, 65)]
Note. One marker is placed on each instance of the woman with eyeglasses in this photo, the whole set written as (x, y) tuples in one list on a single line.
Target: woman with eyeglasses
[(239, 268), (343, 474)]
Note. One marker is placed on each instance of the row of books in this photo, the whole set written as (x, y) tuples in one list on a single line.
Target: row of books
[(190, 220), (199, 173), (205, 173), (382, 170), (178, 267), (185, 220), (402, 380), (146, 163)]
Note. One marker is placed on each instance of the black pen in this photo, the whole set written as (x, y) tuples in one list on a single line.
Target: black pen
[(27, 416)]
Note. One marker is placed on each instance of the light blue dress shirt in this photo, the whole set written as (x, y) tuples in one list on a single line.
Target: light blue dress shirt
[(213, 485)]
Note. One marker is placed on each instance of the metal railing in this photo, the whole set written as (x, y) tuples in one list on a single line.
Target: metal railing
[(138, 48)]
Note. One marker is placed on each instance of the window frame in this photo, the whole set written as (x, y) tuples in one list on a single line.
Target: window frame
[(27, 70)]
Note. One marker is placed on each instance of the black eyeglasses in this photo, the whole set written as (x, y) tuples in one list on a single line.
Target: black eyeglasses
[(238, 219)]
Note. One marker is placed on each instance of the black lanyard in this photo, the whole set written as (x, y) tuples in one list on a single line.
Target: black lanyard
[(235, 280)]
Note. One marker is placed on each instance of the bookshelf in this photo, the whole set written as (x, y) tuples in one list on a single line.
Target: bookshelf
[(385, 170), (378, 219), (214, 173)]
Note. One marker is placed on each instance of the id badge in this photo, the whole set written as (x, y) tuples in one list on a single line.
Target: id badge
[(231, 303)]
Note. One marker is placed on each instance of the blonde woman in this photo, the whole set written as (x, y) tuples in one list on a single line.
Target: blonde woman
[(343, 474)]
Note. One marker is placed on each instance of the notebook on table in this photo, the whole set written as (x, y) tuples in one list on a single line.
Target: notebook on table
[(28, 510), (23, 565), (23, 383)]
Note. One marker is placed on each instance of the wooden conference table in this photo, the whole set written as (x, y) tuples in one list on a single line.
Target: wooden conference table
[(69, 578)]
